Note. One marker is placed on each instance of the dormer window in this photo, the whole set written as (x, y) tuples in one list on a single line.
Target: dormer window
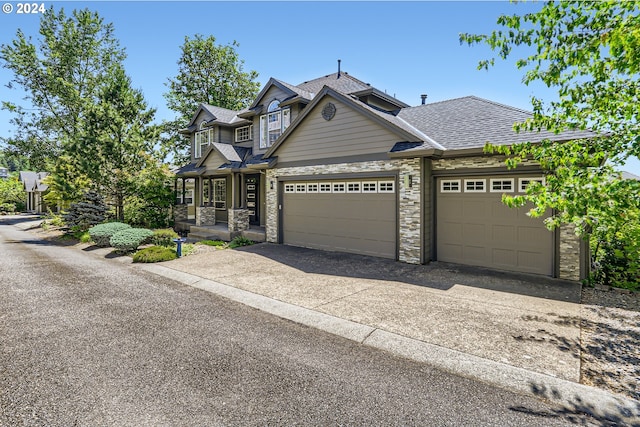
[(203, 138), (273, 124)]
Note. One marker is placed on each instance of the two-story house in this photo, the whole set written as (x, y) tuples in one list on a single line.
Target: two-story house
[(336, 164)]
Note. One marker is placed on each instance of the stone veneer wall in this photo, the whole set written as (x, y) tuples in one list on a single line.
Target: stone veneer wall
[(475, 162), (180, 212), (238, 220), (570, 247), (205, 215), (410, 241)]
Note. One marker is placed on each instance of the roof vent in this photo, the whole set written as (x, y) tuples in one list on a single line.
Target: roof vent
[(424, 98), (339, 61)]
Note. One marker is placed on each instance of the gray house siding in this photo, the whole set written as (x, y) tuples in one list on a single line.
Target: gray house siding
[(347, 134)]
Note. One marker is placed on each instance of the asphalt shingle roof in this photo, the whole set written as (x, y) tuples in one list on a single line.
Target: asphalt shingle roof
[(471, 122), (344, 84), (33, 181)]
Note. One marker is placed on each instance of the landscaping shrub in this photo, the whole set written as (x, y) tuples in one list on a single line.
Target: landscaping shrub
[(89, 211), (154, 254), (240, 241), (164, 237), (101, 233), (129, 239), (7, 207)]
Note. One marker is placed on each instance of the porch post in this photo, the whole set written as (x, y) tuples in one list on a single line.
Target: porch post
[(233, 190), (210, 192), (184, 190), (175, 189)]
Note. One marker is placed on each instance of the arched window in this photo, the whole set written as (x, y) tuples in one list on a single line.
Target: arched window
[(273, 106), (274, 123)]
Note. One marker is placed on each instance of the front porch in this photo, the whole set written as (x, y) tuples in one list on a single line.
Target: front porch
[(222, 206)]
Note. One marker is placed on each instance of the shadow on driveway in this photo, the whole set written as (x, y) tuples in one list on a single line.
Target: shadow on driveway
[(435, 275)]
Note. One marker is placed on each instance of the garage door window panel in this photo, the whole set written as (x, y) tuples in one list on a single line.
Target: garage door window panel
[(502, 185), (353, 187), (339, 187), (523, 183), (450, 186), (474, 185), (386, 187)]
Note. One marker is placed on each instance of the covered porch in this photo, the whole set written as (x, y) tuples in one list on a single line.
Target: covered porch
[(225, 205)]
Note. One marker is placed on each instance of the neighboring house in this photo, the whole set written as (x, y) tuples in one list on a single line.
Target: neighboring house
[(336, 164), (4, 173), (35, 189), (629, 175)]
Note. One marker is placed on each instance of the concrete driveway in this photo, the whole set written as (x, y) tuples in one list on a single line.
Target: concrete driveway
[(524, 321)]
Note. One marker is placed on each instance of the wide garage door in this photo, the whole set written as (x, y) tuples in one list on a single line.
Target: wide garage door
[(356, 216), (474, 227)]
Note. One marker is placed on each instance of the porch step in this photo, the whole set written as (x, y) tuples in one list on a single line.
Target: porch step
[(209, 233), (257, 235)]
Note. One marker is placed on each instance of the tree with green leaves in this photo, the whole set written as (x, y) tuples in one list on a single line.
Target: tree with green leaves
[(589, 52), (61, 74), (12, 195), (207, 73), (86, 124)]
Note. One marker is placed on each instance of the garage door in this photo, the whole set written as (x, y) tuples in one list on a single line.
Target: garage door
[(356, 216), (474, 227)]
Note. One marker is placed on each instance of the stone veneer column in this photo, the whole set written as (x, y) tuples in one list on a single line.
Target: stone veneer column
[(180, 213), (410, 214), (271, 223), (205, 215), (238, 220), (570, 245)]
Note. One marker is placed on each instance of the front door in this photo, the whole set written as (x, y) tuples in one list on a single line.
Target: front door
[(252, 195)]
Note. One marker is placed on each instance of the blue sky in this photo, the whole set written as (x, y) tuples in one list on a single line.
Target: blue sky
[(404, 48)]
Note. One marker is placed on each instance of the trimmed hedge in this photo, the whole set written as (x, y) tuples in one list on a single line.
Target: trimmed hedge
[(164, 237), (155, 254), (129, 239), (101, 233)]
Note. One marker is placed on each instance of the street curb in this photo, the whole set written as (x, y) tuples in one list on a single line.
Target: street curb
[(574, 397)]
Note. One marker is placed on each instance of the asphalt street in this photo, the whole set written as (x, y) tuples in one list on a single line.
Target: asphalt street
[(93, 342)]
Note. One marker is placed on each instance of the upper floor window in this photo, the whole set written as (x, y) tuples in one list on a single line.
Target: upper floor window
[(203, 137), (244, 133), (273, 123)]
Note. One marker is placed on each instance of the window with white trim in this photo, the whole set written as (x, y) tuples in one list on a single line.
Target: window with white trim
[(450, 186), (369, 187), (188, 197), (301, 188), (474, 185), (220, 193), (289, 188), (353, 187), (312, 187), (501, 185), (244, 133), (273, 124), (524, 183), (325, 187), (386, 186), (338, 187), (202, 139)]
